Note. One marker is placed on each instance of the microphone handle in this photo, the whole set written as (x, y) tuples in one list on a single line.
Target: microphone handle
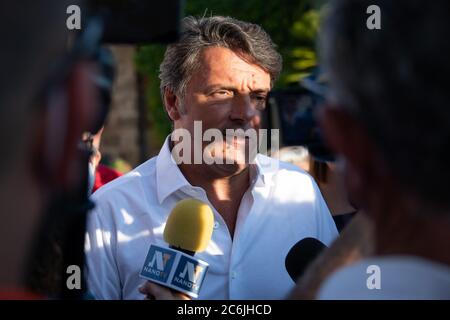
[(191, 253)]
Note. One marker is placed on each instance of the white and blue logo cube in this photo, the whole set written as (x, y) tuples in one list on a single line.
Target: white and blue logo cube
[(174, 269)]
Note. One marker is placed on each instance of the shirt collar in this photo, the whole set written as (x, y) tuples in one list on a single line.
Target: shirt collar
[(266, 167), (169, 178)]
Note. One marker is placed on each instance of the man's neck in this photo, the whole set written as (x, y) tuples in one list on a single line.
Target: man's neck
[(223, 191)]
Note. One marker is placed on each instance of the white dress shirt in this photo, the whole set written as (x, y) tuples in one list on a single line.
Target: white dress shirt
[(282, 206), (399, 278)]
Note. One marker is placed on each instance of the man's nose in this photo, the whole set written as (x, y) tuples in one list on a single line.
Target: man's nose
[(243, 109)]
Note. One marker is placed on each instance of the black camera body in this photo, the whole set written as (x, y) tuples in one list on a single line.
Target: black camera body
[(138, 21), (293, 112)]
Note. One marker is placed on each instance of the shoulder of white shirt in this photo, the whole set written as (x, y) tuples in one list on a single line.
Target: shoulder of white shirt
[(401, 277), (283, 166), (143, 170)]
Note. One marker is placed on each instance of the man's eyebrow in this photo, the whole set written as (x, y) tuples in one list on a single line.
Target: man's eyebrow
[(232, 88), (220, 86), (262, 90)]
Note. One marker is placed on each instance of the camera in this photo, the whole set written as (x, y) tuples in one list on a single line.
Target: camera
[(292, 110)]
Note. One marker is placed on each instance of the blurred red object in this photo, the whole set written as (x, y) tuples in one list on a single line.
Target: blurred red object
[(103, 175), (18, 294)]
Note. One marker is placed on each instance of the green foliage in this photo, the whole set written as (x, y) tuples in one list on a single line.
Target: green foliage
[(148, 59), (292, 24)]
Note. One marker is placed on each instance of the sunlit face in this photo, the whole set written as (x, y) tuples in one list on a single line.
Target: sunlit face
[(226, 92)]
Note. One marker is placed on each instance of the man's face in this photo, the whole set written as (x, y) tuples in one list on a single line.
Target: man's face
[(226, 92)]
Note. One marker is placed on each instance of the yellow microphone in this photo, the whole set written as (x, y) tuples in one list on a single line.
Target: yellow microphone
[(188, 230), (190, 226)]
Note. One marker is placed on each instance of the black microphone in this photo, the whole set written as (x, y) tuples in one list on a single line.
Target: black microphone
[(301, 255)]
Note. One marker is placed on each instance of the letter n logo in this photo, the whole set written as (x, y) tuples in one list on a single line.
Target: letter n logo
[(160, 259), (158, 263), (193, 272)]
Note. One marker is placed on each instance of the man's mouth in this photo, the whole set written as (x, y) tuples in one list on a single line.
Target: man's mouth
[(236, 140)]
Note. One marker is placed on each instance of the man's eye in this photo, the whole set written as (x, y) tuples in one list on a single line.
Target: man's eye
[(222, 93), (259, 97), (259, 101)]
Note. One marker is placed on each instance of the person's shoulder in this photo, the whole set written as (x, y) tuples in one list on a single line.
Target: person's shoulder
[(107, 173), (349, 282), (126, 183), (393, 277), (275, 165), (286, 171)]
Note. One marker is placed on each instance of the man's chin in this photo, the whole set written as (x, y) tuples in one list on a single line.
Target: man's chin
[(237, 142), (231, 157), (233, 154), (229, 169)]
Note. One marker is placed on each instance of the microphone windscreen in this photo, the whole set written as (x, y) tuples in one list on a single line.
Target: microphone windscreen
[(301, 255), (190, 225)]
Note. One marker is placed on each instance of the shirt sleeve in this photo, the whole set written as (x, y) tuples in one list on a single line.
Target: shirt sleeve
[(103, 279), (326, 228)]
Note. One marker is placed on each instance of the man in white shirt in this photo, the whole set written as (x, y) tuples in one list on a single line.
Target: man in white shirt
[(219, 73), (388, 117)]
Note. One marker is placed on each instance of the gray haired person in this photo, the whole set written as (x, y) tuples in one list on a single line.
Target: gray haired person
[(219, 73)]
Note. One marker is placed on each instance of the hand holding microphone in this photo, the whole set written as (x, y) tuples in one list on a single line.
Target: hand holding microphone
[(153, 291), (188, 230)]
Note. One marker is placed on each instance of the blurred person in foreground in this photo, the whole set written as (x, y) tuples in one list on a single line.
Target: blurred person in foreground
[(219, 73), (388, 117), (46, 102)]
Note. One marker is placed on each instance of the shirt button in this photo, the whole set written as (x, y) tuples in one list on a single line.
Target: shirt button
[(216, 225), (233, 275)]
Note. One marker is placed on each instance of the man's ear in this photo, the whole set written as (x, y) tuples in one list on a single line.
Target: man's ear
[(172, 104), (348, 138), (70, 110)]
